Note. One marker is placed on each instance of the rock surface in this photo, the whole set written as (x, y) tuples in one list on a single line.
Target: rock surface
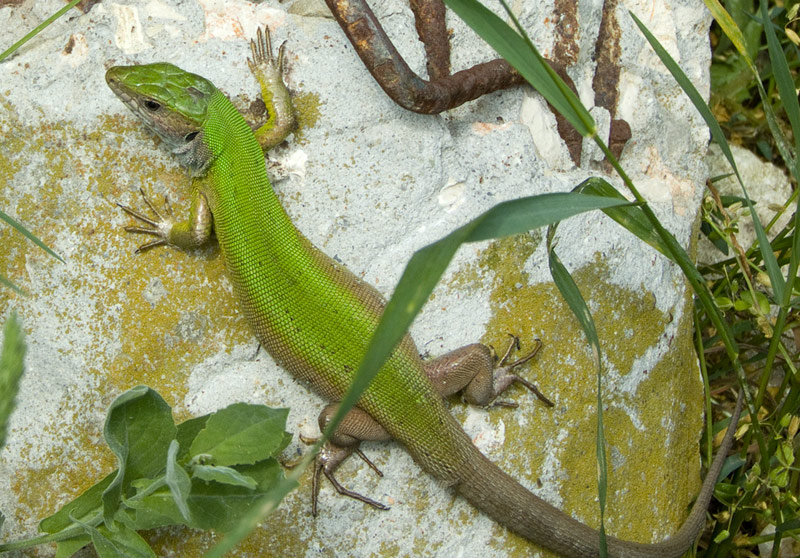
[(369, 183)]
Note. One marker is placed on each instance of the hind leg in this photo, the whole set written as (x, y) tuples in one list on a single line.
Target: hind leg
[(357, 426), (476, 371)]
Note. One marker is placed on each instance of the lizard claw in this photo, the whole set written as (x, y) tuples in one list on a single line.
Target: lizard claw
[(327, 462), (262, 59), (158, 226), (504, 375)]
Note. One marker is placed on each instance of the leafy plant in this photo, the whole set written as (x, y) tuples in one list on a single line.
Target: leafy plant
[(204, 473)]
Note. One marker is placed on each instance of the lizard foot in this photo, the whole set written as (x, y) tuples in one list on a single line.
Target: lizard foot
[(159, 226), (327, 462), (272, 117), (263, 64), (504, 375)]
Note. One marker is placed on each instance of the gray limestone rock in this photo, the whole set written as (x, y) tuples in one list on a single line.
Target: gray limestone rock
[(369, 183)]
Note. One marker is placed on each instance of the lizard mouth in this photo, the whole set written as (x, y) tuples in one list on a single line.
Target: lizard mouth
[(119, 90)]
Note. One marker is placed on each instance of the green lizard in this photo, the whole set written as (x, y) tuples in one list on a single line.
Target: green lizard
[(315, 317)]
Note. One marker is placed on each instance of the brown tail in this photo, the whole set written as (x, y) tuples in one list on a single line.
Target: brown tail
[(503, 499)]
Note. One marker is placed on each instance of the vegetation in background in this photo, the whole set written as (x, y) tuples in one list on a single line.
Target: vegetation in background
[(746, 316), (754, 81)]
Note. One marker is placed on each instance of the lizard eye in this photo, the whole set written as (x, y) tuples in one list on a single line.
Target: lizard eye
[(189, 137), (151, 105)]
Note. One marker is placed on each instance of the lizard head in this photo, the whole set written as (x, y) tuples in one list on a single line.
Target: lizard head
[(173, 103)]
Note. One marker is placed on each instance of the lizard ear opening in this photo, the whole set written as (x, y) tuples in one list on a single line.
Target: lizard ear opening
[(190, 136)]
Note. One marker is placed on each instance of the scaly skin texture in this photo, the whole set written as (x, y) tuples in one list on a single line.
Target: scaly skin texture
[(315, 317)]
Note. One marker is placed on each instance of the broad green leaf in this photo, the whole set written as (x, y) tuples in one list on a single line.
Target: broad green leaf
[(139, 429), (82, 508), (212, 505), (139, 424), (119, 543), (90, 501), (66, 549), (178, 481), (11, 368), (217, 506), (224, 475), (135, 513), (187, 432), (241, 434)]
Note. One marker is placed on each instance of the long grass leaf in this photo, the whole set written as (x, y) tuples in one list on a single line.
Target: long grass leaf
[(731, 30), (574, 299), (789, 101), (734, 33), (428, 264), (38, 29), (690, 90), (783, 79), (520, 53), (771, 264), (29, 235), (10, 284)]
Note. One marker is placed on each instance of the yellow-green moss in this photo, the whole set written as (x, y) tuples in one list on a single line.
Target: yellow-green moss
[(164, 337), (667, 402), (159, 340), (307, 107)]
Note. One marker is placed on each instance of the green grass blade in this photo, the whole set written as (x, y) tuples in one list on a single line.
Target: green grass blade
[(574, 299), (38, 29), (10, 284), (737, 38), (731, 30), (519, 52), (783, 79), (11, 368), (771, 264), (690, 90), (27, 234), (789, 101), (428, 264)]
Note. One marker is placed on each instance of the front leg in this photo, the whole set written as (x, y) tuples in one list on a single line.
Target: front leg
[(277, 100), (192, 233)]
